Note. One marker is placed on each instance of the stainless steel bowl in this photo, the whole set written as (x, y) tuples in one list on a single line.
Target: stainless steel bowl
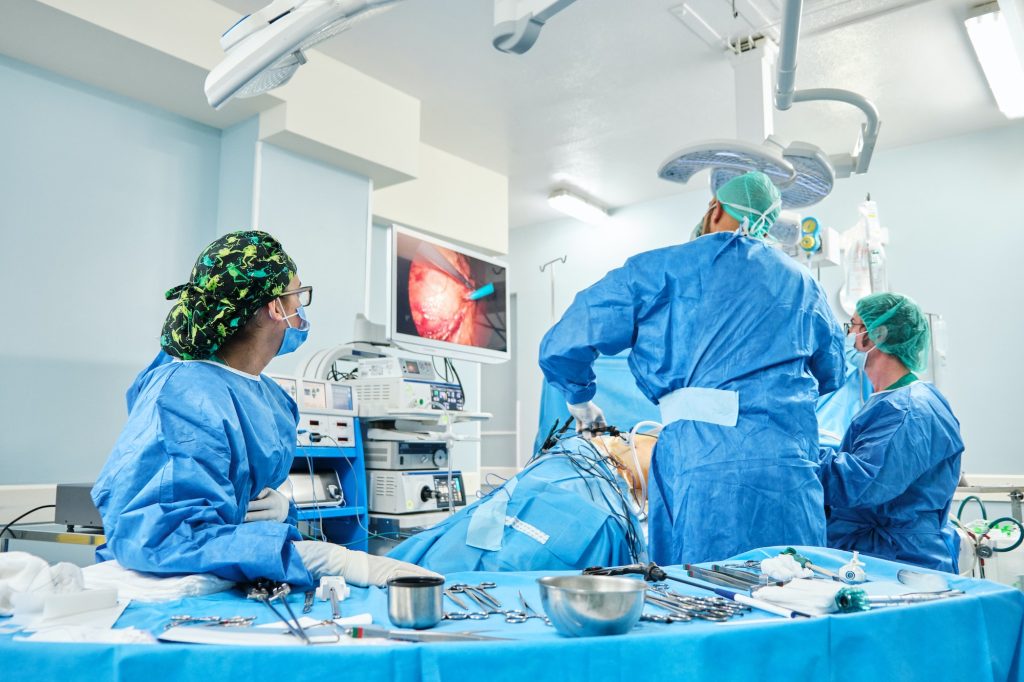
[(415, 601), (589, 605)]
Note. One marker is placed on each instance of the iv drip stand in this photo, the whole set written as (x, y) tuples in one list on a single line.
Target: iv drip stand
[(544, 267)]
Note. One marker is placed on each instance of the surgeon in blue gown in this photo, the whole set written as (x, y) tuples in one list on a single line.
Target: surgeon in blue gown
[(190, 486), (734, 341), (890, 483)]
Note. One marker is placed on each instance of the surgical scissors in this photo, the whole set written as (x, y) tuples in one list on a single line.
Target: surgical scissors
[(480, 590), (489, 605), (530, 613)]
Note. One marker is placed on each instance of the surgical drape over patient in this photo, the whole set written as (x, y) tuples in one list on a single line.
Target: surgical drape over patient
[(553, 515)]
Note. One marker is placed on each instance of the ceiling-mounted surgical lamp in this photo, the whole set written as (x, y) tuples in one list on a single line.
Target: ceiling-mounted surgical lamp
[(517, 23), (803, 173), (263, 50)]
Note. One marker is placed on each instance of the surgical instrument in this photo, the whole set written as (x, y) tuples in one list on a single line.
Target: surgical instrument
[(458, 602), (853, 599), (335, 608), (229, 622), (654, 573), (266, 592), (715, 577), (417, 635), (530, 613), (806, 563), (754, 579), (488, 608), (466, 615), (661, 618), (713, 604), (680, 611), (307, 605), (480, 590)]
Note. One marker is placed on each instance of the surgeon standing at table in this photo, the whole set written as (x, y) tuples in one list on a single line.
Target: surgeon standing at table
[(190, 486), (734, 341), (890, 483)]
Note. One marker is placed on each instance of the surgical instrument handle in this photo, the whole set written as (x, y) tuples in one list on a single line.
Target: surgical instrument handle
[(651, 572)]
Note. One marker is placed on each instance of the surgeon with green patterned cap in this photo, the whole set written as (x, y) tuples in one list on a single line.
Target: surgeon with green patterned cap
[(190, 486), (891, 481), (733, 341)]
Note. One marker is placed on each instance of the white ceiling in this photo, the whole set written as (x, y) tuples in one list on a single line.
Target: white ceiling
[(613, 87)]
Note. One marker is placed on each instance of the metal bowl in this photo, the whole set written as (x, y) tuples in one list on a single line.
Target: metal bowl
[(589, 605)]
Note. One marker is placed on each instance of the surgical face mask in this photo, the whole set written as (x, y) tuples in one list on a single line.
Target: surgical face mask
[(857, 358), (294, 336)]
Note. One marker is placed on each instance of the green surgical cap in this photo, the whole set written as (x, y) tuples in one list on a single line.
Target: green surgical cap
[(752, 196), (232, 279), (897, 326)]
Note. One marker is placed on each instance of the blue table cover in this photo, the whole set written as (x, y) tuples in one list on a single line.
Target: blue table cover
[(976, 637)]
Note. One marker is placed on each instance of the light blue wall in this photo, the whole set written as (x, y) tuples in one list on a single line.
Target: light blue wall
[(320, 214), (237, 177), (952, 207), (104, 204)]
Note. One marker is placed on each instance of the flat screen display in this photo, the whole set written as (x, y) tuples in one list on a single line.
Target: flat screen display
[(448, 300)]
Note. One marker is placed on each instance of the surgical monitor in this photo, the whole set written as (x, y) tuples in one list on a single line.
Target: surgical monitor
[(446, 300)]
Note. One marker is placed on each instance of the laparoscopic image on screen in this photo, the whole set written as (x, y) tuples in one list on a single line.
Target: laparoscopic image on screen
[(445, 295)]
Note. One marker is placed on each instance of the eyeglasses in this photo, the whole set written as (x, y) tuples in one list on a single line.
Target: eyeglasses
[(848, 326), (305, 295)]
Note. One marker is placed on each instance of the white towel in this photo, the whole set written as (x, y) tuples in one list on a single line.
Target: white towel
[(146, 587), (27, 579)]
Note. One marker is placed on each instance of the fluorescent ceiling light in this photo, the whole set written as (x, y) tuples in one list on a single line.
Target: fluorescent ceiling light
[(993, 43), (577, 207)]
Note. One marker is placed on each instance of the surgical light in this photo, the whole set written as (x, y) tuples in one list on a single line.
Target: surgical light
[(992, 40), (577, 207), (263, 50)]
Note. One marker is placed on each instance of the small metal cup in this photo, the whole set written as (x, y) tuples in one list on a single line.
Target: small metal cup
[(415, 601)]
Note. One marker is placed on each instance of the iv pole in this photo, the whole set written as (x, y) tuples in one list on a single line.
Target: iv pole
[(552, 264)]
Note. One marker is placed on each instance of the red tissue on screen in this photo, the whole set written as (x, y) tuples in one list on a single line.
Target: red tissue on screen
[(440, 309)]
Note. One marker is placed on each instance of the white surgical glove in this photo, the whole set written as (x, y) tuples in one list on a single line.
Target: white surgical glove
[(588, 416), (357, 568), (269, 505)]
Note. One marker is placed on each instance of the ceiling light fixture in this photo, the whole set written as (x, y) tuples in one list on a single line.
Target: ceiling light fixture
[(991, 36), (574, 205)]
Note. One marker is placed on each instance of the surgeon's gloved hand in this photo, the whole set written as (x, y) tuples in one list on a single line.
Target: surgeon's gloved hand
[(269, 505), (357, 568), (588, 416)]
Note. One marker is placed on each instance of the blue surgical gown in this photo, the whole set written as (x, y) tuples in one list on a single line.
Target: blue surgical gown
[(200, 442), (724, 312), (891, 482), (133, 391), (558, 519)]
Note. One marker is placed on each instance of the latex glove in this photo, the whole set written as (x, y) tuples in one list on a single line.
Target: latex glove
[(587, 415), (269, 505), (357, 568)]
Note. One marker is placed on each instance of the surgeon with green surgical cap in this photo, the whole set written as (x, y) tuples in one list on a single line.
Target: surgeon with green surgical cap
[(734, 342), (191, 484), (890, 483)]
